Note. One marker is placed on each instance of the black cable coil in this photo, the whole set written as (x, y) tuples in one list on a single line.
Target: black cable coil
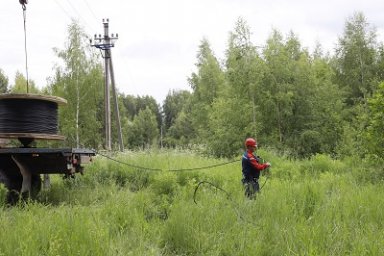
[(28, 116)]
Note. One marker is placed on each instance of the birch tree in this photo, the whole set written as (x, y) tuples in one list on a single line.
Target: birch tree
[(79, 80)]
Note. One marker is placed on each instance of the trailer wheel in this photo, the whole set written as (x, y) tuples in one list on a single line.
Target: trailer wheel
[(14, 182), (3, 178), (36, 185), (10, 184)]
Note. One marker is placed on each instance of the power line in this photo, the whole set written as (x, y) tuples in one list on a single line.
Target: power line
[(88, 6), (61, 7), (90, 9), (79, 17)]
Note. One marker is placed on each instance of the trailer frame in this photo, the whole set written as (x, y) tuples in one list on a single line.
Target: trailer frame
[(20, 168)]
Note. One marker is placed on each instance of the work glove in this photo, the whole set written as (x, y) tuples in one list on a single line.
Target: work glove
[(268, 164)]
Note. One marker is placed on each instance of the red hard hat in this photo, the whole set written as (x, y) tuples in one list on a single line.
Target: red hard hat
[(250, 142)]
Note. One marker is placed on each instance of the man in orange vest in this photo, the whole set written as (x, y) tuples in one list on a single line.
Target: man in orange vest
[(251, 168)]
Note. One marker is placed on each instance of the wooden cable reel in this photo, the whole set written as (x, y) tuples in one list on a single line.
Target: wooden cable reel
[(27, 117)]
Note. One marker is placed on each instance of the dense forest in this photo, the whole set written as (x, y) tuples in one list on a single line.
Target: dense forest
[(297, 102)]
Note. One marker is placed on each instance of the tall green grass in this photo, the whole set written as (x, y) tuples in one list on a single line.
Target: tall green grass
[(317, 206)]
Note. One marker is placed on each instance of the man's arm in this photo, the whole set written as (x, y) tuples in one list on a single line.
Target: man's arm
[(256, 164)]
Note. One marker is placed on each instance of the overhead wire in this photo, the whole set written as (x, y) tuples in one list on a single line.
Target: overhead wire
[(79, 17), (90, 9), (61, 7), (131, 79), (78, 14), (89, 28)]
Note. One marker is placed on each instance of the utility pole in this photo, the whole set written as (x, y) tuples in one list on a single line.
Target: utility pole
[(121, 145), (105, 43)]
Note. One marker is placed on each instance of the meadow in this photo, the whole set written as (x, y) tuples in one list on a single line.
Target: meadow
[(317, 206)]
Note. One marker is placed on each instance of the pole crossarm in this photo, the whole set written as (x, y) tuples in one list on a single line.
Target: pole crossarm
[(106, 41), (103, 46)]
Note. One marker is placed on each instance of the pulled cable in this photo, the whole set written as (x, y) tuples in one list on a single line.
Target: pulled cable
[(158, 169)]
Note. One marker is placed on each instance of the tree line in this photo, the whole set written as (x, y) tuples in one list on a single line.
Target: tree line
[(298, 102)]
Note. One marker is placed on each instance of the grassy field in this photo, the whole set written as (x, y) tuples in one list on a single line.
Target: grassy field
[(312, 207)]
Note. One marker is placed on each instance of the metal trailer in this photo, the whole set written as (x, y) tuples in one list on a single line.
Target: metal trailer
[(21, 168)]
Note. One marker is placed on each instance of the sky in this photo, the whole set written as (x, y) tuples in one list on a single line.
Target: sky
[(158, 40)]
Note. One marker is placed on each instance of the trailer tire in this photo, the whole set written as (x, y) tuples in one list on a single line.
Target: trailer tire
[(13, 184), (9, 183), (36, 185), (4, 179)]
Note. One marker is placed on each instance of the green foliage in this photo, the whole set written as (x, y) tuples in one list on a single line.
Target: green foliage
[(181, 132), (143, 131), (353, 142), (290, 99), (356, 58), (285, 97), (3, 82), (209, 79), (98, 214), (133, 124), (165, 184), (20, 85), (80, 82), (279, 90), (231, 114), (173, 105), (134, 105), (295, 101), (129, 103), (3, 195), (177, 126), (228, 123), (207, 84), (374, 133)]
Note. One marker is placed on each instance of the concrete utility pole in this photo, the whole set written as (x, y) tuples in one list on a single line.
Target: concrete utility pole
[(105, 43)]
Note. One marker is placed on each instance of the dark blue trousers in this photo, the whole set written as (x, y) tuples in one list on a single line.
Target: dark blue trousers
[(251, 187)]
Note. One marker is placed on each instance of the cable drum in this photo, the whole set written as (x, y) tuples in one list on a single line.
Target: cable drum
[(29, 116)]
